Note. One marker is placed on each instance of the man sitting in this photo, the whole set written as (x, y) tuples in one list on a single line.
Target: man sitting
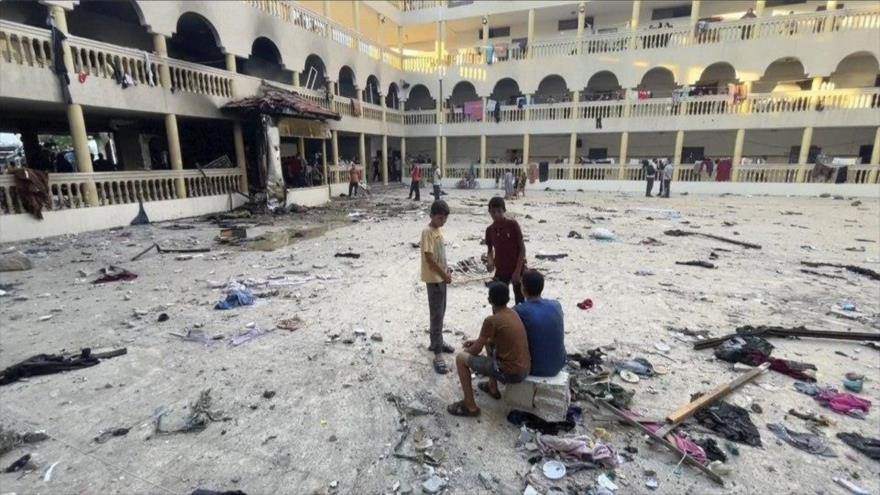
[(544, 324), (507, 353)]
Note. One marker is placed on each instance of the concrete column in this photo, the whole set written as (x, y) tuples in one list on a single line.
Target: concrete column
[(357, 16), (81, 149), (334, 146), (737, 154), (438, 157), (403, 153), (804, 155), (815, 85), (875, 159), (531, 34), (362, 153), (60, 17), (295, 77), (627, 104), (301, 146), (528, 108), (483, 156), (759, 7), (636, 13), (695, 15), (325, 9), (443, 149), (437, 41), (624, 150), (161, 49), (231, 66), (831, 5), (324, 160), (385, 159), (174, 152), (442, 42), (582, 15), (676, 154), (572, 154), (240, 161), (526, 150), (575, 98), (485, 109), (485, 36)]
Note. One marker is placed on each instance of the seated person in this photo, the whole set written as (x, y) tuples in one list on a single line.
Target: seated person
[(507, 353), (544, 324)]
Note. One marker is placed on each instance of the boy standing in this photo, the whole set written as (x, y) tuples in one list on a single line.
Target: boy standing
[(506, 250), (416, 176), (436, 275), (354, 178)]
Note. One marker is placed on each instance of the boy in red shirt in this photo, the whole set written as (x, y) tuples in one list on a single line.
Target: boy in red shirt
[(414, 187), (506, 249)]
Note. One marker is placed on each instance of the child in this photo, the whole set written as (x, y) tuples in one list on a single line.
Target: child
[(436, 275), (506, 250)]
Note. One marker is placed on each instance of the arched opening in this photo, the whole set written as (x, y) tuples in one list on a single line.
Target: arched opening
[(265, 62), (30, 13), (786, 73), (506, 91), (392, 98), (195, 40), (659, 81), (371, 92), (857, 70), (345, 84), (419, 98), (714, 79), (552, 89), (314, 74), (463, 92), (602, 85), (111, 21)]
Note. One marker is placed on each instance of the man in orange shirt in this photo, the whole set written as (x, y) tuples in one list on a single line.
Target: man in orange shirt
[(354, 177), (415, 186)]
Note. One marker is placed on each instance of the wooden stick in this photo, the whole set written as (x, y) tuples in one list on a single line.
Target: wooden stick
[(110, 354), (681, 233), (182, 250), (790, 332), (145, 251), (688, 410), (662, 441)]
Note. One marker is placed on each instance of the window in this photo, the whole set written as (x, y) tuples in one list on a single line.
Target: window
[(670, 12), (499, 32), (780, 3), (572, 24)]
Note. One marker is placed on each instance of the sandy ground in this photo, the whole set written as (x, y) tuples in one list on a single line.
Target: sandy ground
[(330, 427)]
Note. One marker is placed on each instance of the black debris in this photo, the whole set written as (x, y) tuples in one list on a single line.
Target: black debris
[(866, 445), (703, 264), (731, 421)]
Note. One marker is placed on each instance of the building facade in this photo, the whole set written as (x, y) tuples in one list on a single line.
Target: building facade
[(585, 90)]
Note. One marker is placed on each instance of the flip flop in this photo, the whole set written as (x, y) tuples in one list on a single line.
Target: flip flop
[(484, 386), (440, 366), (585, 304), (458, 409), (448, 349)]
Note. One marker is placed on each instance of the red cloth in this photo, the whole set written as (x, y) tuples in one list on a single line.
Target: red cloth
[(842, 403), (505, 237), (417, 174), (723, 173)]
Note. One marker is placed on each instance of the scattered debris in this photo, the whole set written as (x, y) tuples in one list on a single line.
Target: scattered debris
[(703, 264), (867, 272), (20, 464), (574, 235), (681, 233), (110, 433), (602, 234), (236, 297), (247, 336), (551, 257), (347, 255), (730, 421), (114, 274), (585, 304), (290, 324), (197, 420), (804, 441), (10, 439), (866, 445), (15, 262), (849, 485), (47, 364), (777, 331)]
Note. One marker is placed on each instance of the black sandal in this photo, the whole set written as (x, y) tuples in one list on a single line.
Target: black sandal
[(440, 366), (458, 409), (484, 386)]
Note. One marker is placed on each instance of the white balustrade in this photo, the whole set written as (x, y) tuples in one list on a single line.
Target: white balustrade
[(420, 117), (25, 45)]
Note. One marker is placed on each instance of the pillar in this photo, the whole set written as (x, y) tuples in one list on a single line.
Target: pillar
[(443, 150), (485, 36), (875, 159), (385, 159), (30, 140), (81, 149), (324, 160), (357, 16), (531, 34), (437, 151), (483, 156), (695, 15), (582, 16), (737, 154), (362, 154), (295, 76), (174, 155), (804, 155), (627, 104), (60, 18), (636, 13), (161, 49), (325, 9), (624, 150), (572, 154), (301, 146), (528, 108), (441, 59), (438, 42), (831, 5), (381, 41), (526, 142), (759, 7), (240, 162), (334, 146), (403, 151), (575, 99), (485, 109), (676, 154), (231, 66), (815, 85)]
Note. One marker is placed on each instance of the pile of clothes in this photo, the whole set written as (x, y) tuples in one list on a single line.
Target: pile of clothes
[(841, 403), (755, 351)]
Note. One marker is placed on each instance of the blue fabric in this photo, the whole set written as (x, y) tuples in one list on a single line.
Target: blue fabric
[(236, 298), (545, 330)]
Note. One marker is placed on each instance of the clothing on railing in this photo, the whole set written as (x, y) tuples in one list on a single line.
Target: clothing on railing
[(355, 107), (736, 93), (724, 168), (148, 68), (474, 110), (58, 65), (32, 187)]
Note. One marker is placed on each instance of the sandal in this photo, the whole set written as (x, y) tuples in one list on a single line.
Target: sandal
[(440, 366), (458, 409), (484, 386), (444, 347)]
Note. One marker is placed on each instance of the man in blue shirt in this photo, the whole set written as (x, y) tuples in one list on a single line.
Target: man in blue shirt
[(544, 324)]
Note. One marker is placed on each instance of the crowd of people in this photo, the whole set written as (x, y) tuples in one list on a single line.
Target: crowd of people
[(525, 340)]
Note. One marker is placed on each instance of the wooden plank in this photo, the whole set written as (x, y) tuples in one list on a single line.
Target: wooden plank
[(688, 410)]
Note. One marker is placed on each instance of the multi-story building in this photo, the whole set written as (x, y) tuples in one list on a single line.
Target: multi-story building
[(584, 89)]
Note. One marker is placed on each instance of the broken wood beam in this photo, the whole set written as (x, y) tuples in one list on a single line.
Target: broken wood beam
[(765, 331), (688, 410), (182, 250), (110, 354), (867, 272), (145, 251), (683, 233), (660, 440)]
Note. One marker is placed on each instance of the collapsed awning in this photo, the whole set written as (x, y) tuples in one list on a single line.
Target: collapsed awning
[(280, 103)]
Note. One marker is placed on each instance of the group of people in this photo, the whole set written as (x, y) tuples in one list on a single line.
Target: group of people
[(525, 340), (657, 169), (302, 172)]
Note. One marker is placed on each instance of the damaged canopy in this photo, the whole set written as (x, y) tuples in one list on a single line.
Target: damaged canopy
[(280, 103)]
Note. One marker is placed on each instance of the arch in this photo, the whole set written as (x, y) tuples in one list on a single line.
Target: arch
[(660, 81), (196, 40), (856, 70), (787, 72), (392, 97), (371, 91), (551, 89), (346, 82), (463, 92), (265, 62), (505, 91), (265, 49), (419, 98), (601, 85), (29, 13), (715, 78), (314, 74), (116, 22)]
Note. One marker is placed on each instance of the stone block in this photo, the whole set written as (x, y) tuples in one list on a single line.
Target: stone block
[(545, 397)]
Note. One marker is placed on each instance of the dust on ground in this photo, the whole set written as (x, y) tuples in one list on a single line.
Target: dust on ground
[(322, 408)]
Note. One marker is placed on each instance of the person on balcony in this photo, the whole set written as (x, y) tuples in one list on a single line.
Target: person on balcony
[(415, 174)]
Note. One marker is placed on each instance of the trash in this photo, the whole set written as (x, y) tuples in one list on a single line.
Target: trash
[(114, 274), (731, 421), (651, 483), (520, 418), (434, 484), (197, 420), (376, 337), (551, 257), (578, 448), (585, 304), (247, 336), (650, 241), (849, 485), (662, 346), (268, 394), (602, 234), (347, 255), (290, 324), (713, 451), (554, 470), (236, 298), (20, 463), (162, 317), (574, 235), (867, 272), (804, 441), (866, 445), (15, 262), (843, 403), (232, 234), (681, 442), (644, 273), (47, 477), (605, 482), (681, 233), (204, 491), (112, 432), (853, 382), (754, 351), (703, 264), (487, 480), (10, 439), (776, 331), (47, 364), (848, 307), (639, 366), (628, 376)]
